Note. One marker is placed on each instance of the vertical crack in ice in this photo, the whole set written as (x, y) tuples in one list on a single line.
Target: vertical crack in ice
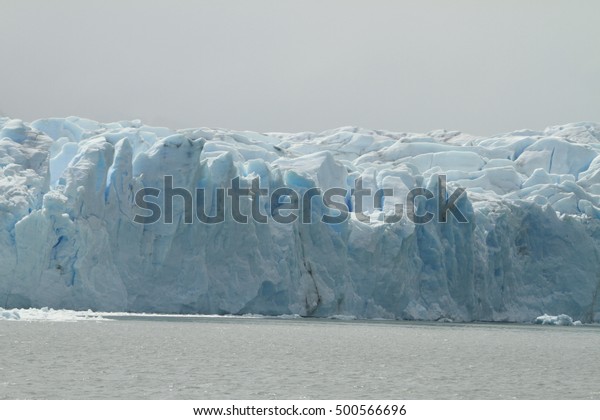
[(310, 309), (590, 314), (551, 160)]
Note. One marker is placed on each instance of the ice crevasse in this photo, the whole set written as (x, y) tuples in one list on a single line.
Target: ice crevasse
[(531, 246)]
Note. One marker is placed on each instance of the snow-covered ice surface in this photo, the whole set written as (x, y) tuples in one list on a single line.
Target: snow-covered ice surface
[(68, 239)]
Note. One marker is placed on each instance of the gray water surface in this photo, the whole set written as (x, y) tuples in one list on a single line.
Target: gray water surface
[(238, 358)]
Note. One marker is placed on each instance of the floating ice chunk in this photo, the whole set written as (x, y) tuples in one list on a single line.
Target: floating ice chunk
[(46, 314), (9, 314), (561, 319), (445, 320), (343, 317)]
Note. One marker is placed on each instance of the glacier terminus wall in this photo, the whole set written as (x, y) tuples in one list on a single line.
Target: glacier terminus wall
[(531, 244)]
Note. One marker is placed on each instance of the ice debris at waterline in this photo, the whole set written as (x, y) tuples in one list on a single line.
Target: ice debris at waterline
[(561, 319), (46, 314), (531, 244)]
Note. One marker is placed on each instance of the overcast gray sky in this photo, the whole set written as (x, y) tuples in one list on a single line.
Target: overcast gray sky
[(276, 65)]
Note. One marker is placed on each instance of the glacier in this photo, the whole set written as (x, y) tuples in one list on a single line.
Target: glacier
[(531, 246)]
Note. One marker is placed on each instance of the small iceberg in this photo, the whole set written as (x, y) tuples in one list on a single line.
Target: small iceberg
[(48, 314), (12, 315), (561, 319)]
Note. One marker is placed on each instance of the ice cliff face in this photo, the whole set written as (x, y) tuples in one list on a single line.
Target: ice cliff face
[(68, 237)]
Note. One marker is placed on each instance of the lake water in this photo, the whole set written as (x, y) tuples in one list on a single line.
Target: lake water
[(239, 358)]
